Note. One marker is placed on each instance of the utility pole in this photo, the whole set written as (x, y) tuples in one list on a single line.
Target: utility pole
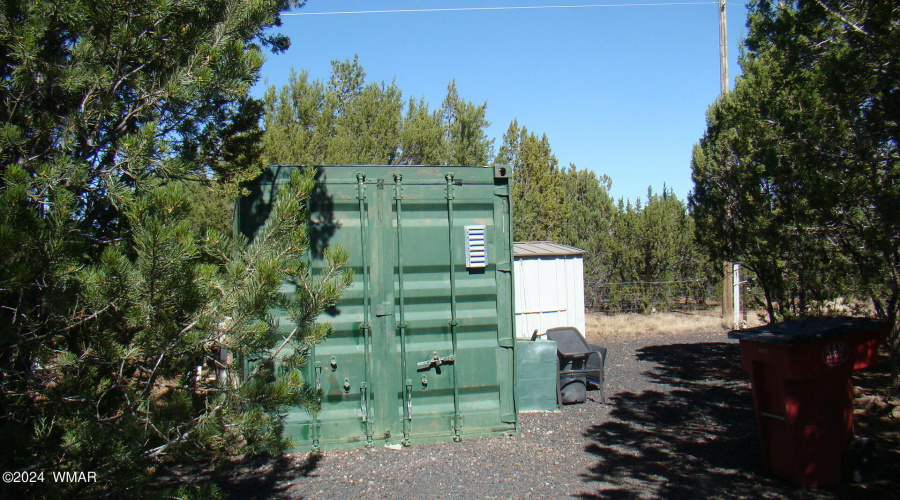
[(731, 282), (723, 48)]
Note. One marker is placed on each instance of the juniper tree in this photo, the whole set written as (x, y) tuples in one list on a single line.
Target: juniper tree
[(654, 243), (465, 124), (538, 193), (349, 121), (590, 222), (806, 151)]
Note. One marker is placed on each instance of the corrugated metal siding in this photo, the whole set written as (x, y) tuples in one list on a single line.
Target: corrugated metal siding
[(544, 249), (419, 355)]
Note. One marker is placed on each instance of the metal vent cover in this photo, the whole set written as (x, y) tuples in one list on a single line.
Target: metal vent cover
[(476, 246)]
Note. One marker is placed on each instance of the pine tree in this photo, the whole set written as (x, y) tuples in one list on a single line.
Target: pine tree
[(134, 331)]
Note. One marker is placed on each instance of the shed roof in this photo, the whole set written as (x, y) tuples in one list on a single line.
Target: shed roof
[(543, 249)]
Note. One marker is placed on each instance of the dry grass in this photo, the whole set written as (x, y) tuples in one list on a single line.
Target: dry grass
[(605, 327)]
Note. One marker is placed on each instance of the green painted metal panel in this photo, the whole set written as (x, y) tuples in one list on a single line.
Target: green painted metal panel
[(423, 346), (536, 370)]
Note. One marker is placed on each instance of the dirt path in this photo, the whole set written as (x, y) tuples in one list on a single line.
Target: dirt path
[(678, 423)]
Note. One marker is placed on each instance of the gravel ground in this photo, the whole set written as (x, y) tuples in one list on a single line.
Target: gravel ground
[(678, 423)]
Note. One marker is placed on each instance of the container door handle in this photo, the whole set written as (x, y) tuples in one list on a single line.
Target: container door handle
[(435, 361), (408, 399), (362, 402)]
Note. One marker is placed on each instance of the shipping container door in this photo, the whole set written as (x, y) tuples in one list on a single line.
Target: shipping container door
[(453, 290), (357, 366), (426, 341), (422, 343)]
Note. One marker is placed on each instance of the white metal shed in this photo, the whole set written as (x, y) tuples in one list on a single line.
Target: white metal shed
[(549, 280)]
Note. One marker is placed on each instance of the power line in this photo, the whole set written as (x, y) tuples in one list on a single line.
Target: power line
[(521, 7)]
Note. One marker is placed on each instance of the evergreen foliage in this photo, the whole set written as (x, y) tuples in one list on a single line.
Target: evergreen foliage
[(347, 120), (133, 330), (655, 243), (798, 173), (464, 124), (539, 198), (590, 224), (629, 243), (350, 122)]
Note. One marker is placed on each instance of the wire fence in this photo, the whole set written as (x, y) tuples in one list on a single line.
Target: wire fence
[(647, 296)]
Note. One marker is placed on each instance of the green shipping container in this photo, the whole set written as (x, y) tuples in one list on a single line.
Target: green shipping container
[(423, 347)]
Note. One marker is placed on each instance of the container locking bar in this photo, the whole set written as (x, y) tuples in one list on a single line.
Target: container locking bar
[(454, 321), (402, 325), (365, 327)]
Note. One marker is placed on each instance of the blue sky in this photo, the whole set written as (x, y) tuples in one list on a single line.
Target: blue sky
[(620, 90)]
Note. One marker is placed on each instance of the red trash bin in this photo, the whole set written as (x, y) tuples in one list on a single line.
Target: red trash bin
[(800, 374)]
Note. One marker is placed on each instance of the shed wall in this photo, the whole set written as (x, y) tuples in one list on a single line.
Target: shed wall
[(549, 293)]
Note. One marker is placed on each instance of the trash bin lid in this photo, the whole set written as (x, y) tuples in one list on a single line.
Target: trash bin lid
[(802, 330), (569, 341)]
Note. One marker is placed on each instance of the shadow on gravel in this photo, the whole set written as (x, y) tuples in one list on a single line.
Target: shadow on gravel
[(269, 478), (696, 438), (259, 478)]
